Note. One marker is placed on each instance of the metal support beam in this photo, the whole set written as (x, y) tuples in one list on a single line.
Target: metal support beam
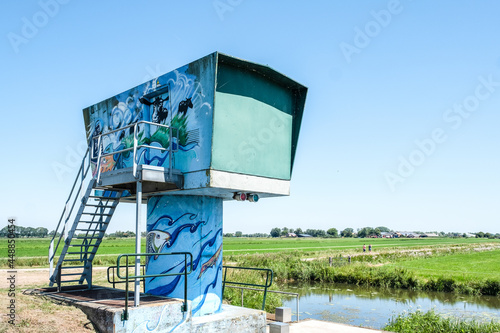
[(51, 258), (137, 284)]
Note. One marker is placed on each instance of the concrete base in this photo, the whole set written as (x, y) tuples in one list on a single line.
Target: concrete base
[(284, 314), (231, 319), (319, 326), (279, 328), (104, 307)]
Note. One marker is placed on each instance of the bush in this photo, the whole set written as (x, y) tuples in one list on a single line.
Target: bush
[(419, 322)]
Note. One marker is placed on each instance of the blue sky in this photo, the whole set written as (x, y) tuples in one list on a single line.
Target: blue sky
[(401, 121)]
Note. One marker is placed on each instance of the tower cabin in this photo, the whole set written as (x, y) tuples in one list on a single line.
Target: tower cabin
[(219, 128)]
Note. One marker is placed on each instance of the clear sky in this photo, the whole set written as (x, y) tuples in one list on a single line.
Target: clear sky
[(400, 129)]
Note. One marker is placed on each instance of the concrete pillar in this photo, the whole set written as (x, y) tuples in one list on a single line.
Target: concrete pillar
[(186, 224), (283, 314), (279, 328)]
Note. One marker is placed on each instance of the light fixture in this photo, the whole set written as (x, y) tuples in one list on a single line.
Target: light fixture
[(239, 196), (252, 197)]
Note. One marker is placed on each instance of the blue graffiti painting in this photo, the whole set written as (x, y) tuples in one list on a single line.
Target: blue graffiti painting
[(175, 99), (186, 224), (156, 239)]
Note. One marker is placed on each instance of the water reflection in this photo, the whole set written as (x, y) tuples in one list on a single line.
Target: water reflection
[(372, 307)]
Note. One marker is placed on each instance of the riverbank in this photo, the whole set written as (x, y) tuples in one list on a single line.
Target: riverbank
[(479, 274), (373, 306)]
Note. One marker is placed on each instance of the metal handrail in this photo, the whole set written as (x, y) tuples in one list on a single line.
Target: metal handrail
[(127, 278), (81, 174), (269, 281), (114, 282), (134, 148), (296, 295)]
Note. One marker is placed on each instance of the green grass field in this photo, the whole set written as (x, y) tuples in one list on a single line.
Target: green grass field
[(235, 245), (461, 266), (34, 247), (442, 264)]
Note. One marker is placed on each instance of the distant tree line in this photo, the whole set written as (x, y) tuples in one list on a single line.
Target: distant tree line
[(486, 235), (26, 232), (241, 234), (41, 232), (364, 233)]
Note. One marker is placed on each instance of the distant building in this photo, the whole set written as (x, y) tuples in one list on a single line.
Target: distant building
[(430, 234), (291, 234), (303, 235), (407, 234)]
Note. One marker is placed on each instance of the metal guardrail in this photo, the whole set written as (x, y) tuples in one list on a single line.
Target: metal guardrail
[(114, 282), (339, 261), (269, 280), (101, 154), (296, 295), (127, 278)]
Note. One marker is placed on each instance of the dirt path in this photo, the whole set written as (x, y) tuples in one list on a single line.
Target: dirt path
[(34, 313), (416, 252)]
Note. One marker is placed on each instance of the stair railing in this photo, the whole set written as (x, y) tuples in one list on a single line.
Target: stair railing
[(68, 208), (136, 146)]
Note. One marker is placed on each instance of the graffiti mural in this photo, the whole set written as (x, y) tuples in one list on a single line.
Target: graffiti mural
[(175, 99), (186, 224)]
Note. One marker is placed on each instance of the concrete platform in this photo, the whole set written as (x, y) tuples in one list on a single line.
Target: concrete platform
[(104, 307), (231, 319), (318, 326)]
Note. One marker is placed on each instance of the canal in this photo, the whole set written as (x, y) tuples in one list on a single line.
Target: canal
[(373, 307)]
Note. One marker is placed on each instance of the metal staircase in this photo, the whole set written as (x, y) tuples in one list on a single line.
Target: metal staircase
[(82, 232), (93, 200), (85, 236)]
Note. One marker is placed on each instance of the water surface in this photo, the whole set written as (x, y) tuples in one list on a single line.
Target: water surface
[(373, 307)]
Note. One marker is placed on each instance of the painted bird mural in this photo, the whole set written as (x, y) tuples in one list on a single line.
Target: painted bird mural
[(156, 241)]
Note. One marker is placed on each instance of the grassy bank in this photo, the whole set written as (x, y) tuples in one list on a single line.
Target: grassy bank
[(419, 322), (236, 245), (38, 248), (391, 269), (469, 266)]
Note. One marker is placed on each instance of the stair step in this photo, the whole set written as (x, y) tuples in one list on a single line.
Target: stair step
[(75, 260), (82, 245), (71, 267), (101, 197), (69, 281), (72, 274), (100, 214), (78, 252), (89, 230), (97, 237), (93, 222), (99, 205)]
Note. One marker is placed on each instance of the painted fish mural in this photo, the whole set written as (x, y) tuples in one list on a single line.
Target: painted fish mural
[(211, 262), (156, 240), (190, 224)]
